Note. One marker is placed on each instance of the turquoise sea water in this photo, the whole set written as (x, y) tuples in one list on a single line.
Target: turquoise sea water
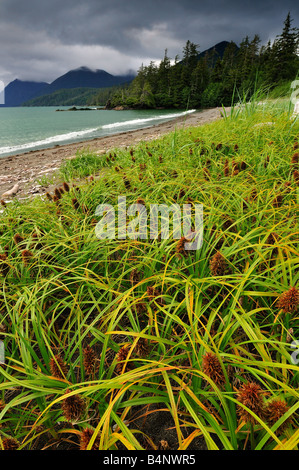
[(23, 129)]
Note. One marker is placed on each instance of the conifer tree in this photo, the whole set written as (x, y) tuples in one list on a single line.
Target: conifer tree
[(285, 53), (212, 80)]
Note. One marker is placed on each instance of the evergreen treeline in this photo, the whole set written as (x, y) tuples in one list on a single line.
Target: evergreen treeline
[(198, 81)]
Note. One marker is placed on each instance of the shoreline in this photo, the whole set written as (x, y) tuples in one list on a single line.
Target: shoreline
[(24, 168)]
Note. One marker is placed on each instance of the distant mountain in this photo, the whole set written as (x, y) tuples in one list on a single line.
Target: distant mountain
[(85, 77), (18, 91), (216, 51), (219, 48)]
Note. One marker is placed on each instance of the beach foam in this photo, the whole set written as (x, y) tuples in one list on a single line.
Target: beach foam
[(47, 141), (144, 120)]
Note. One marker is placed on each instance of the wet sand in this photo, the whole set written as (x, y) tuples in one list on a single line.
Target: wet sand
[(24, 171)]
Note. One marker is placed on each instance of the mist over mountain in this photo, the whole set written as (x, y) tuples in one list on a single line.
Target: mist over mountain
[(85, 77)]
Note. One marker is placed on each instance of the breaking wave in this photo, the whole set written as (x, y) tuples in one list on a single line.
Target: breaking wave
[(134, 122), (48, 141)]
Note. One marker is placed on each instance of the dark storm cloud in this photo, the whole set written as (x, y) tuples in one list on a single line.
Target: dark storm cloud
[(41, 39)]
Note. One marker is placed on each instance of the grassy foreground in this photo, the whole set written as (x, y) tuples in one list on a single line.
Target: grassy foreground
[(137, 344)]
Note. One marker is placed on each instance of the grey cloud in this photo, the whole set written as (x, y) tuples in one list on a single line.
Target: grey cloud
[(42, 38)]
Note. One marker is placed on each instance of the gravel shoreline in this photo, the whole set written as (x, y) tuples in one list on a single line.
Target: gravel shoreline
[(21, 171)]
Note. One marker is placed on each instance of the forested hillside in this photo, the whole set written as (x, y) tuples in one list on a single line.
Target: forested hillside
[(200, 81), (82, 96)]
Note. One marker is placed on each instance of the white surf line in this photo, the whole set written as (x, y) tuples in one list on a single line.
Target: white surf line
[(47, 141), (143, 120)]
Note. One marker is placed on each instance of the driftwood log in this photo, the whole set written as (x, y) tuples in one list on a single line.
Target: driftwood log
[(12, 191)]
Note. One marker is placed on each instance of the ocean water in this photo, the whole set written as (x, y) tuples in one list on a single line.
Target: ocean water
[(23, 129)]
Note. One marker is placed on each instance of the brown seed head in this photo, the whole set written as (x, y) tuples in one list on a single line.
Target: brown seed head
[(229, 224), (226, 168), (75, 203), (182, 193), (141, 348), (57, 193), (56, 200), (155, 294), (10, 443), (218, 265), (121, 359), (134, 277), (274, 411), (72, 407), (18, 239), (2, 330), (180, 247), (266, 162), (295, 160), (66, 186), (126, 183), (140, 201), (206, 173), (278, 200), (212, 368), (289, 300), (140, 308), (2, 405), (58, 367), (89, 359), (235, 165), (26, 257), (272, 238), (251, 396), (85, 437)]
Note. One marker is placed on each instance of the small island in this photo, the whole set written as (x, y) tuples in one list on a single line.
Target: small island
[(74, 108)]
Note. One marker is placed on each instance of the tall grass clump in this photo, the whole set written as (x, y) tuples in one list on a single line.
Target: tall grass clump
[(135, 343)]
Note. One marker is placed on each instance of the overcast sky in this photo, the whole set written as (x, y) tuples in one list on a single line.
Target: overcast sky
[(41, 40)]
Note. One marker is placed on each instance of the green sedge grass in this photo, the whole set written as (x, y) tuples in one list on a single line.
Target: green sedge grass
[(77, 290)]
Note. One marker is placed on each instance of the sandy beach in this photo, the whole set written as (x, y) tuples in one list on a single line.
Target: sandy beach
[(24, 171)]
